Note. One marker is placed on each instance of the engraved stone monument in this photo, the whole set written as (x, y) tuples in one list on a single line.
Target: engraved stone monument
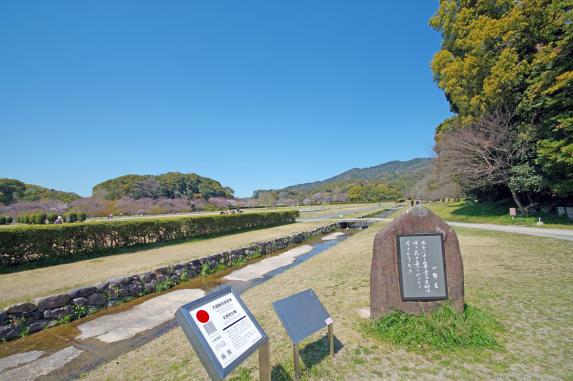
[(416, 265)]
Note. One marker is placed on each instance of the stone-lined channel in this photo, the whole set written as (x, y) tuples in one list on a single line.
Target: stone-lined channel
[(86, 343)]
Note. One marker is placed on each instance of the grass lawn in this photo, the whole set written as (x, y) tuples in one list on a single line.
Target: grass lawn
[(523, 282), (25, 285), (493, 213)]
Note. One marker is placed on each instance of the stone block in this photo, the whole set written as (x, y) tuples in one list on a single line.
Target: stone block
[(53, 301), (385, 295), (97, 299), (82, 292), (21, 308), (82, 301)]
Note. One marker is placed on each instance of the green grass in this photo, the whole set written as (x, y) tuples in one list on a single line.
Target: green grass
[(494, 213), (443, 329)]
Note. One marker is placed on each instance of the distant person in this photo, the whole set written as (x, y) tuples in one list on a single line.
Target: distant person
[(59, 220)]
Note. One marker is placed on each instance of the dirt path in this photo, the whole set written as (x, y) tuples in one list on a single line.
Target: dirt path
[(25, 285)]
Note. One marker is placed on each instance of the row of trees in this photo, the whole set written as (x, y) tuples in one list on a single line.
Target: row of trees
[(361, 192), (506, 69), (128, 206)]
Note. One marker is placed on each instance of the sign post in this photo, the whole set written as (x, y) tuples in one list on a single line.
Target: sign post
[(302, 315), (223, 333)]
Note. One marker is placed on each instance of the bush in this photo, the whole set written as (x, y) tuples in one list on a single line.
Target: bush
[(70, 217), (40, 218), (52, 217), (9, 219), (2, 220), (82, 217), (21, 244)]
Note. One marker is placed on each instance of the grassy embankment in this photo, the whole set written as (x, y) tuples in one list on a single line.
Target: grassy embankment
[(522, 283), (493, 213)]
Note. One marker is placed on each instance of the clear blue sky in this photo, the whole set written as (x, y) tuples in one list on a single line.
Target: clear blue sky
[(255, 94)]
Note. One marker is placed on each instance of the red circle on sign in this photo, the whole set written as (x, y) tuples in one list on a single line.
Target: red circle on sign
[(202, 316)]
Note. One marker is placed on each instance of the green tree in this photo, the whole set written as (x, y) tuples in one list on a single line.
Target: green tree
[(512, 55)]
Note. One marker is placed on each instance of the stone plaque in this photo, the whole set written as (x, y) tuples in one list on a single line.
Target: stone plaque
[(421, 267), (392, 287)]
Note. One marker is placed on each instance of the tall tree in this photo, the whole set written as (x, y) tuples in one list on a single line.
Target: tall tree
[(514, 55)]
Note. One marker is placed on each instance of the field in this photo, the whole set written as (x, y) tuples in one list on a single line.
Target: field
[(493, 213), (522, 281)]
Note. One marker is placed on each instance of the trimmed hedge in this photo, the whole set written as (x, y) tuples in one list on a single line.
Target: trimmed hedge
[(21, 244)]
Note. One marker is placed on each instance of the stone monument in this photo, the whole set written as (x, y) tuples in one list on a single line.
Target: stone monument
[(416, 265)]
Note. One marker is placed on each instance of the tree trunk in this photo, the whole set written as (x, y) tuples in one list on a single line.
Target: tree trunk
[(529, 198), (517, 201)]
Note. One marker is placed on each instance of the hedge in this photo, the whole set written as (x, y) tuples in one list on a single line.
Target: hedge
[(21, 244)]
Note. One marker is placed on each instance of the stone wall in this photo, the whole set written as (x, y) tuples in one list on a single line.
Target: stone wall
[(26, 318)]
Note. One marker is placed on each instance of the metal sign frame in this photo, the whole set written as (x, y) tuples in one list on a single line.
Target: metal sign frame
[(204, 351), (399, 265), (295, 343)]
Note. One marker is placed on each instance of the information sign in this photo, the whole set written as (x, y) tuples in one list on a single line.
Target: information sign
[(421, 267), (222, 331)]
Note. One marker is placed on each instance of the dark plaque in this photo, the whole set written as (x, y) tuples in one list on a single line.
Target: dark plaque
[(302, 314), (421, 267)]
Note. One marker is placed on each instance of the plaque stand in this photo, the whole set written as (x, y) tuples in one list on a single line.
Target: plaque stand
[(296, 353), (265, 361)]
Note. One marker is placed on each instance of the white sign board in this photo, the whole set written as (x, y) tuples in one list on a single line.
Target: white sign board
[(222, 331), (226, 327)]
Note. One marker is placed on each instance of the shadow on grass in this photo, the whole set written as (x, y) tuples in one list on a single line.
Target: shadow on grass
[(279, 373), (496, 209), (311, 355), (7, 269), (315, 352)]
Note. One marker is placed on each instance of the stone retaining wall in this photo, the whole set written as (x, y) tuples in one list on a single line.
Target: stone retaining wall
[(26, 318)]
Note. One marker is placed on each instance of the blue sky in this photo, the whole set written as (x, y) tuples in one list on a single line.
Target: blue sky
[(255, 94)]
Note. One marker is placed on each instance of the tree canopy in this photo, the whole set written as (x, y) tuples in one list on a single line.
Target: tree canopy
[(514, 56), (168, 185), (12, 190)]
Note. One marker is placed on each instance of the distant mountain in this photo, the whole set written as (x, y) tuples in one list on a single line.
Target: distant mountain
[(167, 185), (13, 191), (390, 173), (389, 181)]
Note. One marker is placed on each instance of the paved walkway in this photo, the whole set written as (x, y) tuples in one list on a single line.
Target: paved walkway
[(563, 234)]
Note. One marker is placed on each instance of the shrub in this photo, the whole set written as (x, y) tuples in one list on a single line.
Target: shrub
[(40, 218), (2, 220), (82, 217), (21, 244), (70, 217), (52, 217), (9, 219)]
